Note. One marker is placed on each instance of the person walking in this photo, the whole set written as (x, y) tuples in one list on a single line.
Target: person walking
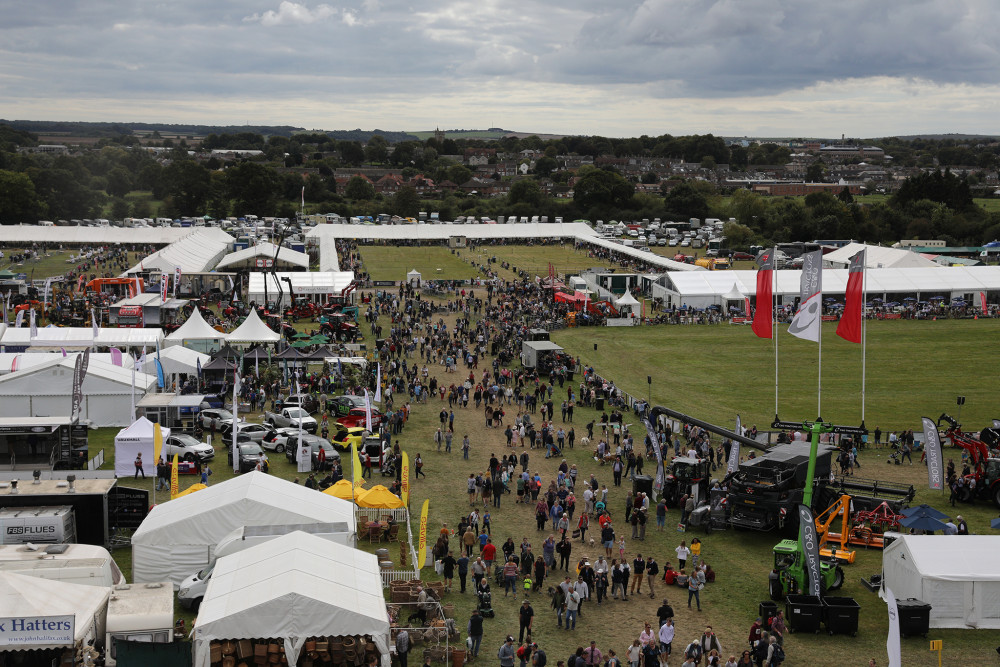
[(526, 617), (162, 475), (402, 646), (652, 571), (475, 631), (418, 466), (694, 590), (507, 652)]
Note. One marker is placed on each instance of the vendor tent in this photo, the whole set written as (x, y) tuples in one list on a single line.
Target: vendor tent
[(197, 334), (626, 304), (294, 587), (31, 597), (379, 497), (413, 278), (178, 537), (958, 575), (344, 490), (253, 331), (256, 256), (132, 441), (47, 389)]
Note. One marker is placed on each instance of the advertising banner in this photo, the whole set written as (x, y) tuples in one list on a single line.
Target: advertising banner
[(37, 630)]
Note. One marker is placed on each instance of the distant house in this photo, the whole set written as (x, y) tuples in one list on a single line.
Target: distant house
[(389, 184), (800, 189)]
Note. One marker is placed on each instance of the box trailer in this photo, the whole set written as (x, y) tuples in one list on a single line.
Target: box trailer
[(37, 525)]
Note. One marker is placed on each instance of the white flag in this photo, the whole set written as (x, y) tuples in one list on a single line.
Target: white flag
[(378, 384), (236, 422), (807, 320), (368, 412), (33, 328), (892, 641)]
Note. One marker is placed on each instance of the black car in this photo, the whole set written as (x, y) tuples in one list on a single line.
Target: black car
[(250, 454), (342, 405), (315, 443)]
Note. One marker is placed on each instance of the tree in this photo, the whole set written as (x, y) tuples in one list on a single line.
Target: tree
[(252, 187), (525, 191), (406, 202), (816, 172), (602, 188), (376, 149), (351, 152), (686, 201), (545, 165), (119, 182), (650, 177), (459, 174), (359, 188), (18, 200), (119, 208), (187, 183)]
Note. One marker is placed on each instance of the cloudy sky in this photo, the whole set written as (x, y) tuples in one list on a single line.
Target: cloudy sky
[(611, 67)]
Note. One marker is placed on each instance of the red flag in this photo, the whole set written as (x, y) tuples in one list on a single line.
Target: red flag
[(849, 327), (763, 315)]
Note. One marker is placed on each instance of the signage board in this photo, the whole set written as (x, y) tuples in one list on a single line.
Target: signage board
[(37, 630)]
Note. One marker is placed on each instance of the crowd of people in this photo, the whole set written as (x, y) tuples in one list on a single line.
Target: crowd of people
[(587, 554)]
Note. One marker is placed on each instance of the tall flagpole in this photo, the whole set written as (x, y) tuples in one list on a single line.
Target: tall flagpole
[(774, 323), (819, 369), (864, 327)]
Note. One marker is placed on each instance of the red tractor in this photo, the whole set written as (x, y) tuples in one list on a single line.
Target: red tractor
[(338, 326), (983, 480)]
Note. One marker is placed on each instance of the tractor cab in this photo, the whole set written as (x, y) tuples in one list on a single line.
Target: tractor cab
[(685, 475), (789, 575)]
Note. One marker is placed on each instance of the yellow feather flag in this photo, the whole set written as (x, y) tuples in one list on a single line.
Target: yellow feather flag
[(406, 480), (157, 443), (422, 551), (174, 482), (357, 472)]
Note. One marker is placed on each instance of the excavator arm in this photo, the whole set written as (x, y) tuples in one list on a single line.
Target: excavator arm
[(711, 428)]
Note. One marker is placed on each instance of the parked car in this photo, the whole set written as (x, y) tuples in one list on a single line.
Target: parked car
[(188, 448), (742, 257), (250, 454), (315, 444), (253, 432), (289, 417), (342, 405), (278, 440), (216, 417), (346, 436), (305, 401), (356, 417)]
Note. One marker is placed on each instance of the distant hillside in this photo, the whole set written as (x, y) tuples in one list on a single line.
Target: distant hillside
[(85, 129), (364, 135)]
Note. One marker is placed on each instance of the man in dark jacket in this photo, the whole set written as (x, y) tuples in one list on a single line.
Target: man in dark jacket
[(475, 630), (665, 611)]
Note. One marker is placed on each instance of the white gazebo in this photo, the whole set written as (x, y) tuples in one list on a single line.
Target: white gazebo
[(252, 331), (413, 278), (734, 295), (197, 334), (627, 305)]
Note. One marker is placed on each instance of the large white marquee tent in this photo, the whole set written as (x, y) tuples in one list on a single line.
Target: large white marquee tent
[(247, 258), (22, 596), (958, 575), (305, 284), (294, 586), (198, 251), (178, 537), (197, 334)]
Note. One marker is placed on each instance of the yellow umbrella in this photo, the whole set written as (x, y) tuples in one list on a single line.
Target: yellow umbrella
[(191, 489), (344, 490), (379, 497)]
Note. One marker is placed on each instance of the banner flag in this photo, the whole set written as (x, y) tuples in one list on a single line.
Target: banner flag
[(892, 640), (19, 319), (932, 447), (806, 322), (157, 442), (236, 421), (982, 301), (303, 453), (164, 284), (810, 550), (406, 480), (116, 356), (45, 298), (33, 333), (368, 412), (94, 324), (160, 380), (77, 399), (85, 365), (378, 383), (357, 472), (734, 453), (422, 551), (175, 483), (849, 327), (654, 441), (763, 314), (177, 280)]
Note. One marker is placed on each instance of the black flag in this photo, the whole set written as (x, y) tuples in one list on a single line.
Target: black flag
[(810, 550)]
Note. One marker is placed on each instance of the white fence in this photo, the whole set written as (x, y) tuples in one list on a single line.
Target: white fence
[(402, 517)]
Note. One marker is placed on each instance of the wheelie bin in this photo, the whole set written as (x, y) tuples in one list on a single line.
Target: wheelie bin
[(803, 613), (914, 617), (840, 615)]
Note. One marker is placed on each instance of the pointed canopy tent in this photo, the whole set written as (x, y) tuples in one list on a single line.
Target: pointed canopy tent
[(344, 490), (196, 333), (626, 303), (299, 586), (734, 294), (177, 537), (379, 497), (256, 353), (253, 331), (22, 596), (289, 354), (413, 278), (218, 364)]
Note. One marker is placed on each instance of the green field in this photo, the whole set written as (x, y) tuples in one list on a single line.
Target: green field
[(714, 373), (52, 263), (433, 262), (535, 259)]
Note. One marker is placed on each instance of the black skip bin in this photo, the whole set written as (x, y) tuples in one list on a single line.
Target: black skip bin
[(767, 610), (841, 615), (914, 617), (803, 613)]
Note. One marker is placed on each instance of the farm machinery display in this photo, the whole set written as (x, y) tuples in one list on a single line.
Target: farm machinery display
[(983, 477)]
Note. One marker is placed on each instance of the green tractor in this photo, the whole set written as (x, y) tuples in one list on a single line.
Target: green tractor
[(789, 574)]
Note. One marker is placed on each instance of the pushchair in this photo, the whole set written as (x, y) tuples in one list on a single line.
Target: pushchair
[(388, 467), (485, 602), (896, 456)]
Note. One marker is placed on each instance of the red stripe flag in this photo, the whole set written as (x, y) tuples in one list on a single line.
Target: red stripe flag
[(763, 314), (849, 327)]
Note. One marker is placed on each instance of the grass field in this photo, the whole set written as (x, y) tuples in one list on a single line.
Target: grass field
[(535, 259), (915, 368), (433, 263), (51, 264)]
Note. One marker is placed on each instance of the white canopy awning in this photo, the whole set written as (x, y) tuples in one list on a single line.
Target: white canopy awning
[(253, 331), (294, 586), (626, 299), (176, 360), (734, 294), (247, 258), (195, 328)]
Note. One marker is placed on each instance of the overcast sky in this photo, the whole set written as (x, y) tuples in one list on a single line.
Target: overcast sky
[(862, 68)]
